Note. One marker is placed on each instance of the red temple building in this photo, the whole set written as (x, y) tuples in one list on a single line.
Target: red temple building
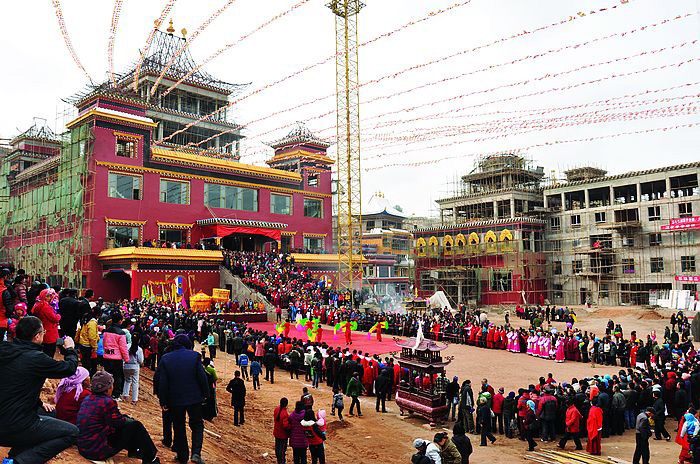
[(93, 207)]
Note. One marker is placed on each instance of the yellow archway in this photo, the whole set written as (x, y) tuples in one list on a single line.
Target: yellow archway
[(506, 239), (420, 247), (460, 244), (433, 246), (473, 242), (448, 244), (490, 240)]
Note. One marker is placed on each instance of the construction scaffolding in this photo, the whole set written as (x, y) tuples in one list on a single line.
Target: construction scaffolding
[(47, 226), (592, 238)]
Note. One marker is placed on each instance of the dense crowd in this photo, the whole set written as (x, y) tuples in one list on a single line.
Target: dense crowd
[(105, 346)]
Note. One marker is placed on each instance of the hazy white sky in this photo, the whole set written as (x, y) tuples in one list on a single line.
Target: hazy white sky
[(38, 72)]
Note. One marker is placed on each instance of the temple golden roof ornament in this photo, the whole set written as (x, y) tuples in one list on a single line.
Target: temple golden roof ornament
[(184, 32), (170, 29)]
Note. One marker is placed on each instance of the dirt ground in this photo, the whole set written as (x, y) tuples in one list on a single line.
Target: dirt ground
[(387, 438)]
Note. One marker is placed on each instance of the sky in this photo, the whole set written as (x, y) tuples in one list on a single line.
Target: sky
[(424, 128)]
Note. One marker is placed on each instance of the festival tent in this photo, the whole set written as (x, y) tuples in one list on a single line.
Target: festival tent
[(439, 300)]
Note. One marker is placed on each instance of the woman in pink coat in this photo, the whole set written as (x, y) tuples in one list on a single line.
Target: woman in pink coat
[(559, 357)]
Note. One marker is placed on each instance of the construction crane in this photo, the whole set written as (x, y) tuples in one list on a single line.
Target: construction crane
[(349, 190)]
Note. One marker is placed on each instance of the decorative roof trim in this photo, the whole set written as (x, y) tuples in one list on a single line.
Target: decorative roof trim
[(124, 222), (241, 222), (38, 168), (492, 222), (174, 225), (320, 157), (112, 114), (184, 158)]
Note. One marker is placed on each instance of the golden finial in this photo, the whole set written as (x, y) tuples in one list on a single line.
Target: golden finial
[(170, 28), (183, 32)]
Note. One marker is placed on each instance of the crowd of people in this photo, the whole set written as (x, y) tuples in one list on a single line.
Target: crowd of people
[(104, 347)]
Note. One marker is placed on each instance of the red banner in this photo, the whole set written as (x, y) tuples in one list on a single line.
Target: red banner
[(223, 231), (692, 225), (685, 220), (688, 278)]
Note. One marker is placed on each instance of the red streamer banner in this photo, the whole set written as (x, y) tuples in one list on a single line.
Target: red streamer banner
[(66, 37), (529, 147), (459, 76), (116, 12)]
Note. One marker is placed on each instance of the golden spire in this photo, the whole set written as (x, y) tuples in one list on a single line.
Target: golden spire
[(184, 32), (170, 28)]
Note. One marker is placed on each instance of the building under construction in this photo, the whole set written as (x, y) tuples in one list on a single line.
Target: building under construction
[(508, 236), (489, 248), (624, 239)]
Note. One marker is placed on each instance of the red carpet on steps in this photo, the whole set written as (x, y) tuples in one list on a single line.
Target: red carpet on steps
[(360, 341)]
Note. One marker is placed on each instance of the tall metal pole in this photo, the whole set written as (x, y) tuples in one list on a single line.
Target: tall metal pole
[(349, 191)]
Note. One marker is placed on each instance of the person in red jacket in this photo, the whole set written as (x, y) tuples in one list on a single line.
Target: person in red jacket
[(281, 431), (497, 408), (348, 333), (49, 319), (573, 419), (594, 427)]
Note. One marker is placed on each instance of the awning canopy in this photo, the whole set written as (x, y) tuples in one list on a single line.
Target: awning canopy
[(221, 227), (223, 231)]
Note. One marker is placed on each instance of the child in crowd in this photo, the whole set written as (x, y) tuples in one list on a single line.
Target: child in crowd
[(337, 403)]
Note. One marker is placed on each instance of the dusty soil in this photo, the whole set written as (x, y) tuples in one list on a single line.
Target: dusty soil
[(386, 438)]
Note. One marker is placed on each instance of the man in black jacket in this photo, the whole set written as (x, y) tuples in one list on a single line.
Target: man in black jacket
[(660, 418), (270, 361), (381, 388), (69, 308), (23, 369), (236, 387)]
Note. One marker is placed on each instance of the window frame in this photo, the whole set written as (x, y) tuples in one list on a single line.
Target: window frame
[(110, 174), (655, 242), (657, 213), (688, 263), (656, 265), (291, 203), (688, 206), (628, 266), (552, 221), (320, 201), (312, 179), (595, 217), (134, 141), (312, 237), (575, 224), (238, 196), (188, 191)]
